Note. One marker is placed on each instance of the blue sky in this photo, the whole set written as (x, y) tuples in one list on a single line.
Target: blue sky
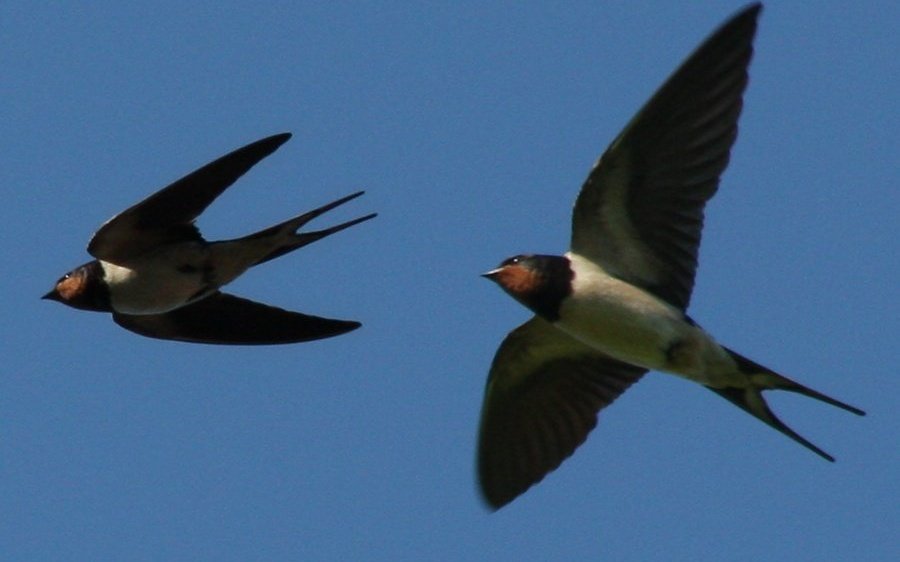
[(471, 127)]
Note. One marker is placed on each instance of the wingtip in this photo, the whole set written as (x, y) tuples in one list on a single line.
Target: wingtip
[(491, 508), (493, 505), (282, 138), (276, 140), (752, 7), (751, 10)]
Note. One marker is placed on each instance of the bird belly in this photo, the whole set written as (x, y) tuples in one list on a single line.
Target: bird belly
[(634, 326), (162, 281)]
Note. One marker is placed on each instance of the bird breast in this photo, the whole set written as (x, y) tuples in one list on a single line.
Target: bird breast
[(159, 282)]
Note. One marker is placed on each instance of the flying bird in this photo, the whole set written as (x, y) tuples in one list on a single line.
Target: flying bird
[(613, 306), (159, 278)]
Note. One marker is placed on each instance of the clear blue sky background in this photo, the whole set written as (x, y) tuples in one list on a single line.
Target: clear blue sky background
[(471, 127)]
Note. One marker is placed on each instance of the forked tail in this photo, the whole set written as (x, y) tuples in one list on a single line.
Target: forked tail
[(296, 239), (750, 399)]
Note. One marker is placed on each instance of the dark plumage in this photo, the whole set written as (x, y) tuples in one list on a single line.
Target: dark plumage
[(160, 278)]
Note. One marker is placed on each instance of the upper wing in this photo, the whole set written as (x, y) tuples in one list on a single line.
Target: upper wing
[(167, 215), (541, 401), (226, 319), (640, 212)]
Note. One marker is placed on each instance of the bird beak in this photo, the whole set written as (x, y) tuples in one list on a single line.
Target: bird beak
[(491, 274), (52, 296)]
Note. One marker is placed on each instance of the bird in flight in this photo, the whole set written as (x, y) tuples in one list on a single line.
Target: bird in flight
[(613, 307), (159, 278)]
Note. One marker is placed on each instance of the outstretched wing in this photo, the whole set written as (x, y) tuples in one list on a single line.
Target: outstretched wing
[(541, 401), (168, 215), (230, 320), (640, 211)]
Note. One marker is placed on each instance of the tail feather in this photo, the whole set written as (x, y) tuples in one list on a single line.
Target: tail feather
[(767, 379), (299, 239), (750, 399)]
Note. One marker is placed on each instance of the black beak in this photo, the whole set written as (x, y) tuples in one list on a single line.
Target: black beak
[(491, 274), (51, 296)]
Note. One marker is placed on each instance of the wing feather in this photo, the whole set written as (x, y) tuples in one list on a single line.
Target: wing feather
[(226, 319), (640, 211), (168, 215), (542, 397)]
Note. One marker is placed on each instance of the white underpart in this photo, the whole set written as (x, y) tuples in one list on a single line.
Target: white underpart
[(157, 282), (179, 274), (636, 327)]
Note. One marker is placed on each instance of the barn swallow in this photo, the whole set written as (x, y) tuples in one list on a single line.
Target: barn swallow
[(159, 278), (613, 307)]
